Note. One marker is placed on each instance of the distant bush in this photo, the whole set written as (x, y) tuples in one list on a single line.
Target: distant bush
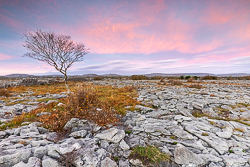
[(139, 77), (162, 80), (195, 77), (98, 78), (182, 77), (174, 82), (156, 78), (208, 77), (187, 77)]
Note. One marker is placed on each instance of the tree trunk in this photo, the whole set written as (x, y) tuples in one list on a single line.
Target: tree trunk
[(66, 83)]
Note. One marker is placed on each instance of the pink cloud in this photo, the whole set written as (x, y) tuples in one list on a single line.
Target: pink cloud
[(106, 34), (4, 57)]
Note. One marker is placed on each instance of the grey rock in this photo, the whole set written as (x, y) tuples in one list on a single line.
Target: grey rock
[(2, 134), (12, 159), (49, 162), (197, 105), (114, 135), (54, 151), (225, 135), (235, 160), (209, 158), (21, 164), (123, 163), (166, 151), (53, 136), (136, 162), (70, 148), (34, 162), (77, 134), (183, 156), (108, 162), (40, 152), (124, 145)]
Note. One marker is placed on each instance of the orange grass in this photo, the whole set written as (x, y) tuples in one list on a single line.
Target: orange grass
[(100, 104)]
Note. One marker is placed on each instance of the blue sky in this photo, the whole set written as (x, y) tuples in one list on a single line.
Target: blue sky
[(132, 37)]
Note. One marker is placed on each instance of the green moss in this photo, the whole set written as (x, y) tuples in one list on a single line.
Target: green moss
[(149, 154), (116, 158), (128, 131)]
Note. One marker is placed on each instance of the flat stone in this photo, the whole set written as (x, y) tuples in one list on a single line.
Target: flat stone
[(183, 156), (209, 158), (114, 135), (197, 105), (235, 160), (225, 135), (77, 134), (69, 149)]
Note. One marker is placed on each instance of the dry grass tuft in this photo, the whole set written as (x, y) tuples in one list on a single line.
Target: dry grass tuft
[(197, 86), (239, 129), (100, 104), (174, 82), (5, 92)]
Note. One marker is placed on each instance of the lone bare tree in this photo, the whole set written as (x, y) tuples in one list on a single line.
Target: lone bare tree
[(56, 50)]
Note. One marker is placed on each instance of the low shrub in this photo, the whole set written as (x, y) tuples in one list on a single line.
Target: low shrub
[(4, 92), (139, 77), (208, 77), (98, 78)]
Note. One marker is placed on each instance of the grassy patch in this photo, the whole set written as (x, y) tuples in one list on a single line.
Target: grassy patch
[(197, 113), (17, 102), (204, 134), (173, 137), (148, 155), (128, 131), (197, 86), (100, 104), (45, 100), (239, 129)]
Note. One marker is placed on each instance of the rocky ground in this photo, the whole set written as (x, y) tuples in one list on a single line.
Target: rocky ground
[(219, 136)]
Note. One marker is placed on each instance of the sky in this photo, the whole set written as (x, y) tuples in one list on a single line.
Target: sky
[(132, 36)]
